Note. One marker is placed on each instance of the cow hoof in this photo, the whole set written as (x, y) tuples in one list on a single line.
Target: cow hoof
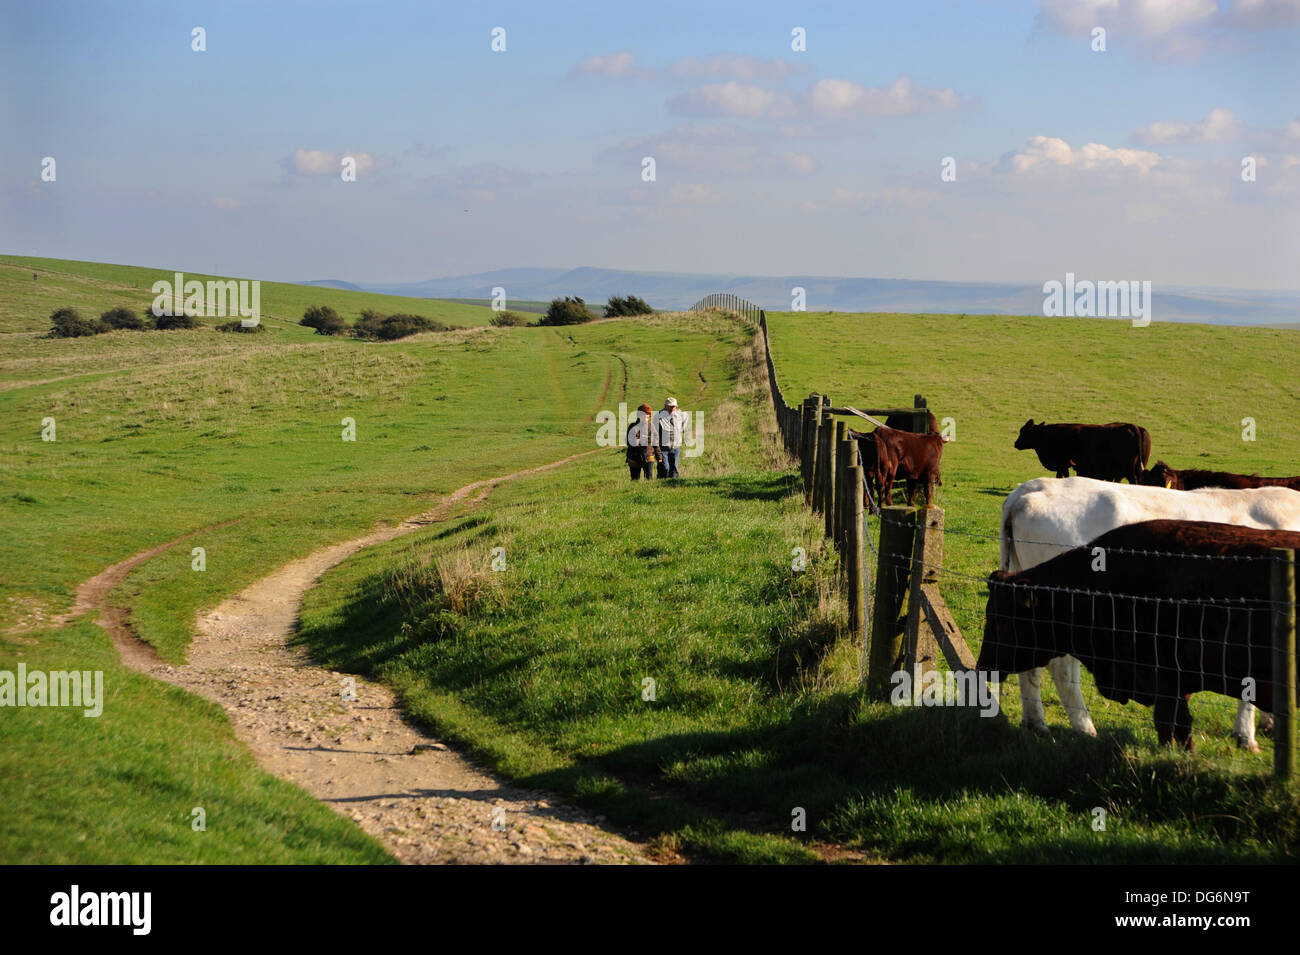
[(1249, 745), (1039, 729)]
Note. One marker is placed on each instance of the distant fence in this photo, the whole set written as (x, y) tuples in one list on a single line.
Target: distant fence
[(898, 614), (728, 301)]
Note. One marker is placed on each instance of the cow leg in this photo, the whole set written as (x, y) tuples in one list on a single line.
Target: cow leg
[(1067, 674), (1032, 716), (911, 492), (1173, 720), (1243, 728)]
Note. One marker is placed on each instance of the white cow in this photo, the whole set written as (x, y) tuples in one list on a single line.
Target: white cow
[(1048, 516)]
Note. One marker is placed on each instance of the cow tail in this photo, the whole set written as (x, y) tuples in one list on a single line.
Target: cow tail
[(1004, 546), (1145, 440)]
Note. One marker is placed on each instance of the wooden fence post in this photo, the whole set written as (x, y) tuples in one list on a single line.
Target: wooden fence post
[(832, 456), (819, 463), (1282, 593), (853, 546), (812, 412), (921, 416), (841, 487), (927, 555), (897, 530)]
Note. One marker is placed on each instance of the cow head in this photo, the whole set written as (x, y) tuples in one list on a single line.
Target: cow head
[(1162, 475), (1013, 635), (1025, 441)]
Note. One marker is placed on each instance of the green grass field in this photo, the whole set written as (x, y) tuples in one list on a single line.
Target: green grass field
[(540, 669), (95, 287)]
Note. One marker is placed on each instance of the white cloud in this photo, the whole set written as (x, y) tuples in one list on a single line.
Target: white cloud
[(1147, 18), (1264, 13), (737, 67), (732, 99), (1045, 152), (612, 64), (313, 162), (1220, 126), (834, 99), (799, 162), (692, 194)]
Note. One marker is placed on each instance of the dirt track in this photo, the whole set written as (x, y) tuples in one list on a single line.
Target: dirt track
[(423, 800)]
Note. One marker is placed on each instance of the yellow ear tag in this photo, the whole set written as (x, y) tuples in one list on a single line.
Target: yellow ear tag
[(1169, 483)]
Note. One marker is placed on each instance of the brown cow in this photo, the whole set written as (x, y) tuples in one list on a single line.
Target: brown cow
[(1108, 452), (914, 457), (1162, 475)]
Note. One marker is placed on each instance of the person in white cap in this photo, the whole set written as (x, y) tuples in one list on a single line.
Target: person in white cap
[(669, 427)]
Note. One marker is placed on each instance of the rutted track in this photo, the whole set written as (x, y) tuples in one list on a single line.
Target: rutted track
[(424, 801)]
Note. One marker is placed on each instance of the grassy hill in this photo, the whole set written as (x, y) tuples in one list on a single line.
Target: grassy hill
[(94, 287)]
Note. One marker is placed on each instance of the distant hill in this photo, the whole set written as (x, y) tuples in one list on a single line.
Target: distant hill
[(333, 283), (677, 290)]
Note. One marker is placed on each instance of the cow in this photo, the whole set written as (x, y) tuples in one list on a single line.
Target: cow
[(888, 453), (906, 421), (1162, 475), (878, 466), (1110, 452), (1158, 623), (1046, 516)]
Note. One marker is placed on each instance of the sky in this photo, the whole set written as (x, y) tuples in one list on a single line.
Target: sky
[(1117, 163)]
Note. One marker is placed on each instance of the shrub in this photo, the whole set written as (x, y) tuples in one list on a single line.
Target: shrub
[(168, 322), (374, 326), (566, 311), (238, 326), (324, 319), (122, 318), (508, 320), (631, 305), (68, 323)]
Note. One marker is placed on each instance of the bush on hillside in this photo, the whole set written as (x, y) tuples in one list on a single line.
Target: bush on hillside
[(376, 327), (69, 323), (566, 311), (238, 326), (122, 318), (631, 305), (324, 319), (166, 323), (508, 319)]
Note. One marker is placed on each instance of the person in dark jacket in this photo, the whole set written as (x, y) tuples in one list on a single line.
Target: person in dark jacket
[(640, 452)]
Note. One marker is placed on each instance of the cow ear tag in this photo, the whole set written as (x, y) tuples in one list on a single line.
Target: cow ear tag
[(1169, 483), (1025, 601)]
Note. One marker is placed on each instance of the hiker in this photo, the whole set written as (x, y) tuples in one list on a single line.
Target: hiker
[(667, 433), (640, 452)]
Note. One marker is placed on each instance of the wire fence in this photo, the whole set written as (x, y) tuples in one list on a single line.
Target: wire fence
[(1195, 636)]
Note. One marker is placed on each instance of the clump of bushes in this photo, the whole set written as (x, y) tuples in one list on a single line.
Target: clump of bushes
[(165, 323), (238, 326), (508, 319), (372, 325), (375, 327), (120, 318), (630, 305), (69, 323), (566, 311), (325, 320)]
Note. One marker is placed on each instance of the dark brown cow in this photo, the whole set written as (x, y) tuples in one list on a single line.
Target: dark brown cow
[(1109, 452), (914, 457), (877, 464), (1162, 475), (1159, 623), (903, 421)]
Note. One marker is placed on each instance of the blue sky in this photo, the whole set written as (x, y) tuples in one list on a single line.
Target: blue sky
[(1117, 164)]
